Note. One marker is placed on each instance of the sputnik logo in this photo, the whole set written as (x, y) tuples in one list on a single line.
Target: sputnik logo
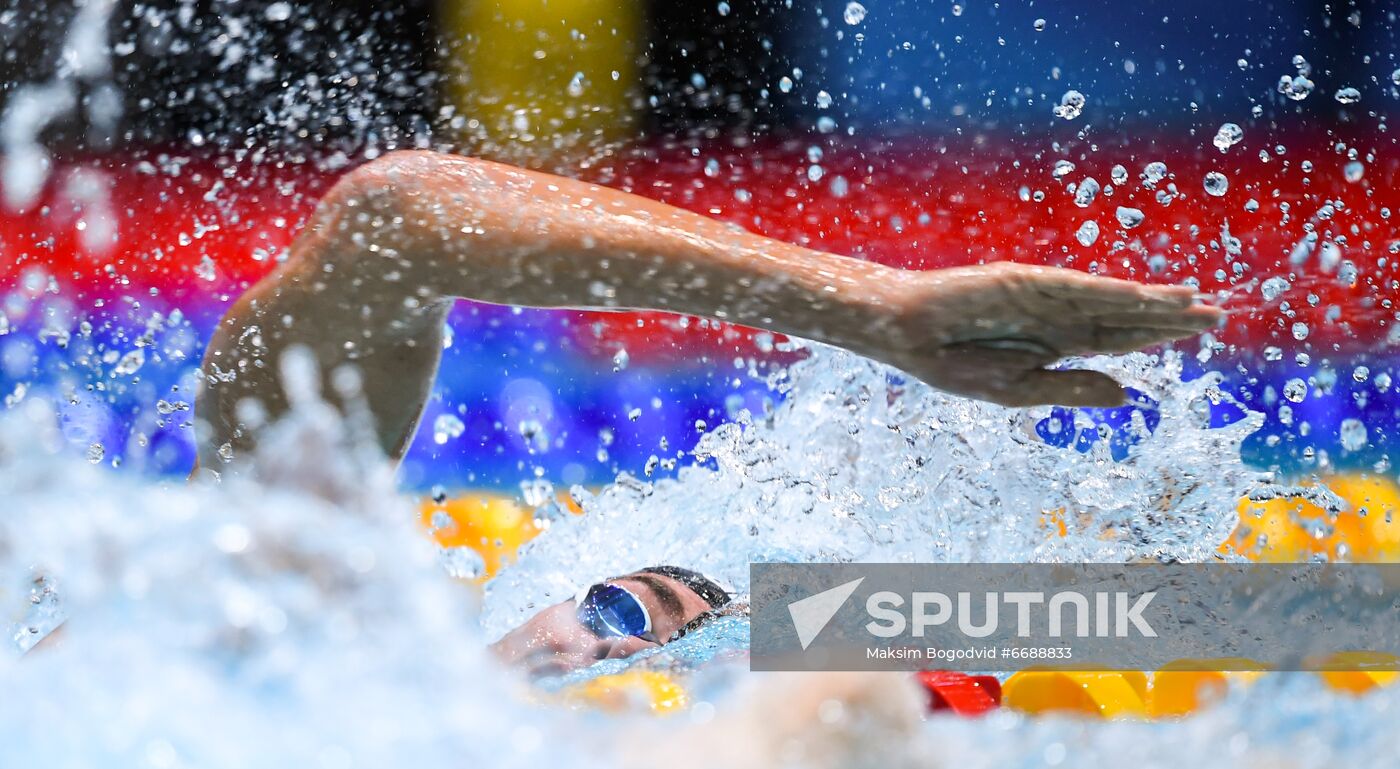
[(810, 615)]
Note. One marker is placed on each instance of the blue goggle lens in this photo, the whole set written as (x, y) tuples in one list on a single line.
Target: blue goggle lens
[(608, 610)]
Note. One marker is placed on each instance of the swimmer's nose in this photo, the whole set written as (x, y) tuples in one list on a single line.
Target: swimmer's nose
[(602, 650)]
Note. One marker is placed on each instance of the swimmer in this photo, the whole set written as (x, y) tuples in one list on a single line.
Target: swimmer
[(370, 280)]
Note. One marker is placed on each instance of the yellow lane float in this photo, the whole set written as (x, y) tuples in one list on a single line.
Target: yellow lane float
[(1370, 670), (633, 690), (1106, 694), (493, 525), (1178, 689), (1292, 529), (1185, 686)]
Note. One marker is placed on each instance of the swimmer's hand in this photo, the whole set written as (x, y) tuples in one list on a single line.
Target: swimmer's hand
[(989, 332)]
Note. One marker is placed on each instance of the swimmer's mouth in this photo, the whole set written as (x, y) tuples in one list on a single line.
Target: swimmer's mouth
[(543, 670), (545, 663)]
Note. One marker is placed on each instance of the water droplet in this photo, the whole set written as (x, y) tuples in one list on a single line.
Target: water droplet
[(575, 88), (1353, 171), (1118, 175), (620, 360), (1087, 233), (130, 362), (1395, 77), (165, 407), (1296, 88), (1300, 330), (1128, 217), (1347, 96), (1228, 136), (785, 84), (1071, 105), (1295, 390), (1274, 287), (279, 11), (1352, 434), (1216, 184), (1039, 25), (855, 13), (1085, 193), (1061, 169), (95, 452), (532, 430), (1155, 172), (446, 427)]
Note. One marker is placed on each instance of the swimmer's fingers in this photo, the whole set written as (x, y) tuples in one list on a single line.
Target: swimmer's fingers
[(1018, 378), (1199, 317), (1098, 294)]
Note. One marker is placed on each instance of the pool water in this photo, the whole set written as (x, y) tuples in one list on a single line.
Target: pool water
[(318, 600)]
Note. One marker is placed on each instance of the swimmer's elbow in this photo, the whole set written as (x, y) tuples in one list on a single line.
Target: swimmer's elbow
[(380, 186), (403, 195), (366, 205)]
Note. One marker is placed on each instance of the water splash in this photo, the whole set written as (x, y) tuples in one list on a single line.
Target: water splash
[(859, 464), (203, 620)]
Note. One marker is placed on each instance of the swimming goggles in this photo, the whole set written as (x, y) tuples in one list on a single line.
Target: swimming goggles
[(612, 611)]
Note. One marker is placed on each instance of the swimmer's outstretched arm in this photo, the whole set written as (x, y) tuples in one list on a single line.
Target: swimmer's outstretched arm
[(370, 281)]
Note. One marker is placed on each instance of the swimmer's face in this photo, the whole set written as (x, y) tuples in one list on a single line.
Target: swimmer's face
[(554, 642)]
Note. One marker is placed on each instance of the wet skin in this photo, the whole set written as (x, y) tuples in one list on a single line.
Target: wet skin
[(554, 642), (369, 281)]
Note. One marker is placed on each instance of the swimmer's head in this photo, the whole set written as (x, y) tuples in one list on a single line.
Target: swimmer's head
[(613, 619)]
